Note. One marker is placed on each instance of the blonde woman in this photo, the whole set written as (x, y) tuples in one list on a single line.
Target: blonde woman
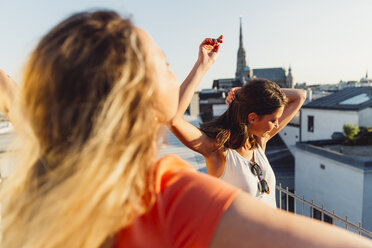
[(95, 91)]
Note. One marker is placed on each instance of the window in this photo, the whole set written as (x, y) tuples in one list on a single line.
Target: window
[(310, 123)]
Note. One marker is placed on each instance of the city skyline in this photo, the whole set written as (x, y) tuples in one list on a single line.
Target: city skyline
[(322, 41)]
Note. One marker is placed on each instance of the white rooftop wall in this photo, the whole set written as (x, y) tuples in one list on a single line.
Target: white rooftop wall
[(365, 117), (326, 122), (338, 186), (290, 135), (367, 202)]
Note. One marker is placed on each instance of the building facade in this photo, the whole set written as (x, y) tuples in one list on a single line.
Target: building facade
[(340, 177), (327, 171), (324, 116)]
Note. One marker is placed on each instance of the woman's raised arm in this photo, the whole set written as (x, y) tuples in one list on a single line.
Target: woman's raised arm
[(296, 97), (250, 223), (187, 133)]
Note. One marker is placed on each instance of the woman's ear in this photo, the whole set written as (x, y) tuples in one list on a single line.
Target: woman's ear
[(252, 118)]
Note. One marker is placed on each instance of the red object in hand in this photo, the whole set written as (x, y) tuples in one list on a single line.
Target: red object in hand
[(214, 42)]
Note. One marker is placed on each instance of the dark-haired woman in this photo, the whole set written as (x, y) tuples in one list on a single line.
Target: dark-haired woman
[(234, 144)]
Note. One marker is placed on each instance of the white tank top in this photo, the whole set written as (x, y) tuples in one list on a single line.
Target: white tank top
[(237, 172)]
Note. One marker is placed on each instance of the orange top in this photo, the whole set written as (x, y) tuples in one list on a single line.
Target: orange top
[(186, 212)]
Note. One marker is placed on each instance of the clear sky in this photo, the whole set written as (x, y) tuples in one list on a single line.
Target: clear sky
[(324, 41)]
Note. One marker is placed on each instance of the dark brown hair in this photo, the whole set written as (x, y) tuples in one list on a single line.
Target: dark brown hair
[(231, 129)]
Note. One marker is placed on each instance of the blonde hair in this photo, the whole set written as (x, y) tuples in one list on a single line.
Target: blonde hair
[(86, 163)]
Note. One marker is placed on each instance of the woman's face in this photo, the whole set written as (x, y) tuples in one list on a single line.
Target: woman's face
[(261, 126), (167, 92)]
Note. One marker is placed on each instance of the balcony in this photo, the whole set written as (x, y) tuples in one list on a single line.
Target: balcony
[(290, 201)]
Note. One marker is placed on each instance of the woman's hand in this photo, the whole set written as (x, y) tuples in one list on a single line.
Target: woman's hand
[(231, 95), (209, 50)]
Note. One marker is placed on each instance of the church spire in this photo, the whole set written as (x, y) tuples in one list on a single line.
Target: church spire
[(241, 63), (241, 35)]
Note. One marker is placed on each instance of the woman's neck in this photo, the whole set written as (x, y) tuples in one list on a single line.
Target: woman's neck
[(246, 150), (247, 146)]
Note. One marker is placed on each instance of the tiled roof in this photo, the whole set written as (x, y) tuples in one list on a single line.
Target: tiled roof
[(334, 100), (270, 73), (206, 94)]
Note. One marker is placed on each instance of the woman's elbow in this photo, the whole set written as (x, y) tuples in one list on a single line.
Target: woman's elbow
[(302, 94)]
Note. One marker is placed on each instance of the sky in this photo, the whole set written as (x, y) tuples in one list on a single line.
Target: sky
[(323, 41)]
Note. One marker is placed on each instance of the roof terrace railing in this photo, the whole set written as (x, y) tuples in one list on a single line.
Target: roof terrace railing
[(325, 216)]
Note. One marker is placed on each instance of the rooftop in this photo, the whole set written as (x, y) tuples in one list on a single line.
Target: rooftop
[(359, 151), (352, 99), (211, 93), (270, 73), (355, 156)]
